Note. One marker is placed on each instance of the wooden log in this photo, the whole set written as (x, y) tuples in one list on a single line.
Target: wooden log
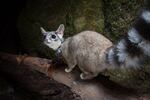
[(38, 84)]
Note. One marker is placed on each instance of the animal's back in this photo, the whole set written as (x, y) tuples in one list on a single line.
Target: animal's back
[(88, 49), (89, 42)]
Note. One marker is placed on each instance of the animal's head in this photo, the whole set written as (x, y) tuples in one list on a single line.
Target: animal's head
[(53, 39)]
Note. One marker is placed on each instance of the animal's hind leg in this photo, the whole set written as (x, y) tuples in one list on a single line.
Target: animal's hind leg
[(87, 75)]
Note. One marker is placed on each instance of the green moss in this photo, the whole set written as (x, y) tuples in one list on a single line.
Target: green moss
[(137, 79), (80, 23), (88, 15), (119, 16), (84, 15)]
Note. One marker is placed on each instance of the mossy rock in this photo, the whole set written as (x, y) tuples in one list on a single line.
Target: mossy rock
[(77, 15), (137, 79), (119, 16)]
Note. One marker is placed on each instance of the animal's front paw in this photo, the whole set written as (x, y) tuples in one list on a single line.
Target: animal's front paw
[(82, 76), (85, 76), (67, 70)]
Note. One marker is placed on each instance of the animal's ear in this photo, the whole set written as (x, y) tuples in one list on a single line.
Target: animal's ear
[(60, 30), (43, 31)]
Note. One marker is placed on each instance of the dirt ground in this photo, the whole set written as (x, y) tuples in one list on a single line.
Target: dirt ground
[(99, 88)]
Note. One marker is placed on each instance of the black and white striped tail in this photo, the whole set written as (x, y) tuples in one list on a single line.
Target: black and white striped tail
[(134, 49)]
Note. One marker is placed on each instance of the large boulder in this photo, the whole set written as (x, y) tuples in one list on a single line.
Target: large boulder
[(77, 15)]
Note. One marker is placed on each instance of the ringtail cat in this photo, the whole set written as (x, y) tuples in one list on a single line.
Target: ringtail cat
[(85, 49)]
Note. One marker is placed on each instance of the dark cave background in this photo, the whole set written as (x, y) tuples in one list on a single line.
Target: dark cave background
[(9, 36)]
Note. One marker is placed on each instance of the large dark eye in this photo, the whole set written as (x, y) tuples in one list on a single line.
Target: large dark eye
[(53, 36)]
